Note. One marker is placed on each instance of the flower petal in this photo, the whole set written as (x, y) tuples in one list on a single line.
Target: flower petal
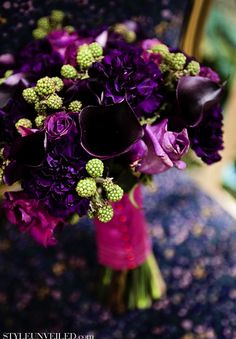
[(108, 131), (195, 95)]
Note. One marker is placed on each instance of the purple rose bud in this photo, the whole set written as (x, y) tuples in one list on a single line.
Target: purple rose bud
[(58, 125), (165, 149)]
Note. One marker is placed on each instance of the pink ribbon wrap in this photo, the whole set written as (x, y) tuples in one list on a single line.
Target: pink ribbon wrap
[(124, 243)]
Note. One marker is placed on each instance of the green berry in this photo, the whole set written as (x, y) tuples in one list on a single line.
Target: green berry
[(105, 213), (130, 36), (193, 67), (107, 183), (30, 95), (40, 107), (54, 101), (39, 33), (58, 83), (96, 50), (69, 29), (74, 219), (164, 67), (1, 153), (45, 86), (23, 122), (160, 49), (39, 120), (1, 175), (44, 23), (57, 15), (68, 72), (90, 214), (8, 73), (114, 193), (84, 57), (95, 168), (86, 188), (177, 61), (75, 106)]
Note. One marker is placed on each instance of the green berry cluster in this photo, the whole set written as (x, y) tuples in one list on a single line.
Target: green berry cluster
[(105, 213), (114, 192), (193, 67), (174, 64), (39, 120), (69, 72), (48, 23), (57, 15), (87, 54), (58, 83), (86, 188), (75, 106), (128, 35), (54, 101), (177, 61), (100, 191), (161, 49), (30, 95), (23, 122), (96, 49), (44, 95), (45, 86), (95, 168), (84, 57)]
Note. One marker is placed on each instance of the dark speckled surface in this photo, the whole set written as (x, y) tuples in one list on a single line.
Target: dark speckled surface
[(194, 241)]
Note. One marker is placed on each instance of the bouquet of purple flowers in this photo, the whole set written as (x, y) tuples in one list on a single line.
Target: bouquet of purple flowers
[(88, 116)]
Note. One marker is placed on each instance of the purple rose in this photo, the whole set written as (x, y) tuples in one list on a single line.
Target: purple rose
[(31, 216), (165, 149), (58, 125)]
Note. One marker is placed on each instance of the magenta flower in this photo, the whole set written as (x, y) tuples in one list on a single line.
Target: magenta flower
[(60, 40), (164, 149), (31, 217)]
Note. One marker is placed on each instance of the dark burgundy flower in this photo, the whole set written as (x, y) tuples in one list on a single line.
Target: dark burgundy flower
[(28, 151), (38, 59), (164, 149), (207, 137), (108, 131), (12, 108), (31, 216), (58, 125), (195, 95)]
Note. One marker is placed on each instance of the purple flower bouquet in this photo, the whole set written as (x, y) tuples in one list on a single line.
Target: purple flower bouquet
[(86, 118)]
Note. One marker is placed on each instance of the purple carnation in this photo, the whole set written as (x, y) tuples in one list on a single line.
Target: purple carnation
[(55, 179), (125, 74), (38, 59), (207, 137)]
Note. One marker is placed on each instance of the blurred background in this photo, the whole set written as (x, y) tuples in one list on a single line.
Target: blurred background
[(217, 49)]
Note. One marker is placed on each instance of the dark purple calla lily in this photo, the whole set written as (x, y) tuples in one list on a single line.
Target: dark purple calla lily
[(195, 95), (28, 150), (109, 131), (25, 151)]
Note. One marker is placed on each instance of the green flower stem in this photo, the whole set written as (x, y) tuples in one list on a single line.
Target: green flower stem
[(131, 289)]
